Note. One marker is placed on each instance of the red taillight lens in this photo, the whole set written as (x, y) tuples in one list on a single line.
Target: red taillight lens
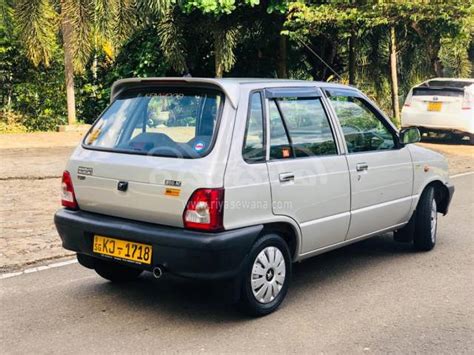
[(205, 210), (68, 198)]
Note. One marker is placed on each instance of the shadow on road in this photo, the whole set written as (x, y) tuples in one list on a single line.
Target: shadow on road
[(446, 141), (210, 302)]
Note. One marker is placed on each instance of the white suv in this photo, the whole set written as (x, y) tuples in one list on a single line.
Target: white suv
[(236, 179), (441, 105)]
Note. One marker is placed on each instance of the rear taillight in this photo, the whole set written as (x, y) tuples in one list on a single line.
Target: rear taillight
[(68, 198), (205, 210), (468, 101)]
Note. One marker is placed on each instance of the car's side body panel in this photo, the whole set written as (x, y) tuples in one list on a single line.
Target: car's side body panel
[(428, 166), (318, 198), (247, 189), (381, 195)]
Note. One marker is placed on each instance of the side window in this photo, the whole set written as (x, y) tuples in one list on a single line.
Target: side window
[(254, 143), (308, 126), (299, 128), (362, 129)]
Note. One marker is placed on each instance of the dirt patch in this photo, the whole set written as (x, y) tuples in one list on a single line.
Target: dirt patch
[(26, 222), (33, 163), (460, 155), (40, 140)]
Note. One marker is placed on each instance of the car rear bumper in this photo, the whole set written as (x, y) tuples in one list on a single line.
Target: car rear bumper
[(456, 123), (193, 254)]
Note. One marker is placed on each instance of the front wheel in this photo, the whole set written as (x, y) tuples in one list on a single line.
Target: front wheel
[(266, 276), (426, 224)]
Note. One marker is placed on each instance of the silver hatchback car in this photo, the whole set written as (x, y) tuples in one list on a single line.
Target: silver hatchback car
[(236, 179)]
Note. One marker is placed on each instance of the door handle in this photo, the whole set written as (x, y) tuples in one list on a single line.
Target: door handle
[(362, 166), (285, 177)]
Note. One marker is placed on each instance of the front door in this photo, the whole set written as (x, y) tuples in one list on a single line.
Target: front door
[(309, 179), (381, 170)]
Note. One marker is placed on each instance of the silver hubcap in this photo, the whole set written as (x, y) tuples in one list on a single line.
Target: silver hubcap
[(434, 220), (268, 274)]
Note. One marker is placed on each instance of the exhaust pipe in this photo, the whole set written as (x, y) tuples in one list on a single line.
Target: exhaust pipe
[(157, 272)]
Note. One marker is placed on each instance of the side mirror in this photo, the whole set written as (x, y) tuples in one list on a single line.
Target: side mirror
[(410, 135)]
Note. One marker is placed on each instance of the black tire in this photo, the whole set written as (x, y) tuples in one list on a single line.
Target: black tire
[(248, 301), (471, 139), (115, 272), (425, 237)]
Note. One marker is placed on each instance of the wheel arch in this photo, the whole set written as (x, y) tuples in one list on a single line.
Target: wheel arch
[(288, 231), (441, 195)]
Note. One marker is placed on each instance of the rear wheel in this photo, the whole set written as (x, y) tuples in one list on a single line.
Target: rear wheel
[(426, 223), (266, 276), (115, 272)]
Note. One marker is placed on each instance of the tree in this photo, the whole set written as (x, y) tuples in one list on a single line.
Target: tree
[(378, 37), (81, 24)]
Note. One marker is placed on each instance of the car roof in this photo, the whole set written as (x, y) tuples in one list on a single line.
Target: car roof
[(230, 86), (452, 79)]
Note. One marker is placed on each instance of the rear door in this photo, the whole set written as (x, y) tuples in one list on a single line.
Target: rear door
[(148, 152), (381, 171), (309, 178)]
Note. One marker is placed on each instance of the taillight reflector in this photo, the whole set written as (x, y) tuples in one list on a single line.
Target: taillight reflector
[(205, 210), (68, 197)]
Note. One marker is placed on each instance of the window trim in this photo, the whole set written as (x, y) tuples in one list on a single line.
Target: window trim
[(373, 109), (298, 92), (282, 116), (285, 127), (264, 126), (164, 88)]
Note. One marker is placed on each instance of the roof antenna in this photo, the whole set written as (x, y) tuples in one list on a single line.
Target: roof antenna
[(317, 56)]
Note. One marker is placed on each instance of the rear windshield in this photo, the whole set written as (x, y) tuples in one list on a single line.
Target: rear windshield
[(178, 122), (424, 91)]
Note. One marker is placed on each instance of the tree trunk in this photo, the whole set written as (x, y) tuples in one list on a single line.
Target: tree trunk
[(394, 77), (352, 60), (282, 69), (69, 71), (219, 67)]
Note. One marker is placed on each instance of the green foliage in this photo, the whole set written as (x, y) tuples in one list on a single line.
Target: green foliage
[(11, 122), (216, 7), (31, 97), (430, 35), (38, 24), (172, 42), (113, 39), (455, 59)]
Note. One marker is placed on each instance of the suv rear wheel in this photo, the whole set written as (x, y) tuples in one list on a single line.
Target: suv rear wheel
[(115, 272), (266, 276)]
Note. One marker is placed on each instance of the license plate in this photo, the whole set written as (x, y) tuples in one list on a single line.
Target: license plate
[(122, 249), (434, 106)]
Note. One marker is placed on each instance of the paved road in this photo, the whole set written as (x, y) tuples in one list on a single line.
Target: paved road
[(372, 297)]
